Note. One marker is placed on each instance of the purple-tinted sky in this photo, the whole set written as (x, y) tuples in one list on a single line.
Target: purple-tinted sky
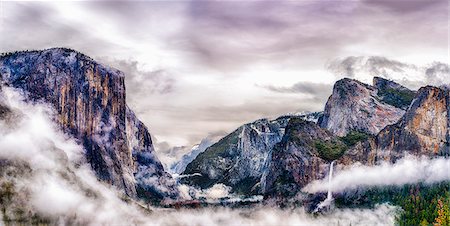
[(201, 68)]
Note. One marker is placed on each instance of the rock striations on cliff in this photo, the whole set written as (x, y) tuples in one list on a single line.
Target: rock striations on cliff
[(423, 130), (89, 100)]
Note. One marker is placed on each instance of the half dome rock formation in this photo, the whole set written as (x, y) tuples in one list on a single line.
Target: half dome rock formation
[(89, 102), (355, 106)]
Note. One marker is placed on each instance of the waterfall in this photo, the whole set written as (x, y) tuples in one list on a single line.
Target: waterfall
[(330, 187), (327, 202)]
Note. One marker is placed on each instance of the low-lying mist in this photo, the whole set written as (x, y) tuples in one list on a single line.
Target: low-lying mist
[(409, 170), (380, 215)]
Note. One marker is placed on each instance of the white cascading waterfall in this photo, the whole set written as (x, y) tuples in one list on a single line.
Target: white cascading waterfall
[(327, 202), (330, 186)]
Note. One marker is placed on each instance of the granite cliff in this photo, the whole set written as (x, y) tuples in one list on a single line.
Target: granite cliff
[(355, 106), (89, 102)]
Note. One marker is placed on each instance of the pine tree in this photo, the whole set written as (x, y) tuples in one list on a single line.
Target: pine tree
[(443, 218)]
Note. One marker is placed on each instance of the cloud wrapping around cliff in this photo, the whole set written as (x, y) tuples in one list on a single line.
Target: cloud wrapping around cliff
[(408, 170), (60, 184)]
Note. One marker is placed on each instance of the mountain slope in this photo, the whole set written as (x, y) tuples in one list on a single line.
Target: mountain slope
[(422, 131), (89, 100), (393, 93), (180, 166), (44, 178), (240, 159)]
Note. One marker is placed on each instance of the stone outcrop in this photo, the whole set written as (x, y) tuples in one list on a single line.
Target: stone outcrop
[(295, 160), (424, 129), (355, 106)]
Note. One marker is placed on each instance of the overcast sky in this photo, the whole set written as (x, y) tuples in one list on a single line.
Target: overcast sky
[(198, 68)]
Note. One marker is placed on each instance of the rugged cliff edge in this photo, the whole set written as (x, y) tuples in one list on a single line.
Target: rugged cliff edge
[(299, 158), (355, 106), (423, 130), (89, 100), (240, 160)]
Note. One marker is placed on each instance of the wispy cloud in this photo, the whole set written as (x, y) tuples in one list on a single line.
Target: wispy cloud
[(364, 68)]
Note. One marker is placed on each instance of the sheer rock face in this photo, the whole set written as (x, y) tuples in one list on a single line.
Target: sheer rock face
[(357, 106), (424, 129), (295, 160), (89, 100), (364, 152)]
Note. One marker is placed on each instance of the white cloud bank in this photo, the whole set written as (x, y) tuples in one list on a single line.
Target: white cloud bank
[(405, 171)]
